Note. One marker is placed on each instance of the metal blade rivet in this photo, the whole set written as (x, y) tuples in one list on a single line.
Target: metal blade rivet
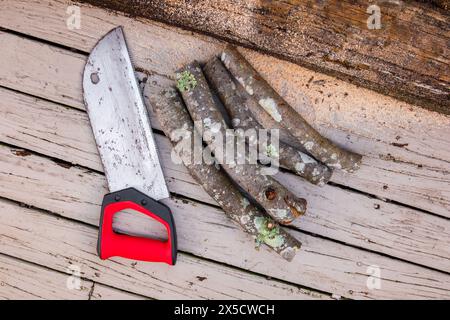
[(95, 78), (144, 202), (117, 198)]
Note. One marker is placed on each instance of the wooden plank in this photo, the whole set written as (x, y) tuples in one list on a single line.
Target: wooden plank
[(32, 72), (408, 58), (22, 280), (57, 243), (405, 147), (65, 133), (101, 292), (202, 230)]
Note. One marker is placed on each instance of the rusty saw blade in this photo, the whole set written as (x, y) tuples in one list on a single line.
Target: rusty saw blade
[(119, 119)]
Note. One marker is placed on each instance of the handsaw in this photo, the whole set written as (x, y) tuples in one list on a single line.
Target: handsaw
[(124, 139)]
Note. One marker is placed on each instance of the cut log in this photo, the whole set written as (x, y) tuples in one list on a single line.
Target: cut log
[(277, 201), (178, 126), (284, 116), (235, 101), (398, 48)]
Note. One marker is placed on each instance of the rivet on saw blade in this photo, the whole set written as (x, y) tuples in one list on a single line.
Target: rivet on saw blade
[(95, 78)]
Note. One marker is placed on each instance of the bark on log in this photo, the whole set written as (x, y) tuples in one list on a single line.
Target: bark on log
[(177, 124), (277, 201), (285, 116), (443, 4), (406, 55), (235, 103)]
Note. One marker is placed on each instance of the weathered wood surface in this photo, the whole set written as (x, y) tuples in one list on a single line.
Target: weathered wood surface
[(56, 243), (418, 172), (407, 58), (101, 292), (444, 4), (397, 165), (202, 230), (421, 238), (24, 280)]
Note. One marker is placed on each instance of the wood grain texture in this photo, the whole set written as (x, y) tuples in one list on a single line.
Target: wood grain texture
[(102, 292), (406, 148), (21, 280), (57, 243), (334, 213), (202, 230), (408, 58)]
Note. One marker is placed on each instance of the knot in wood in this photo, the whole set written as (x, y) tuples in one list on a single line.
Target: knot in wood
[(270, 193)]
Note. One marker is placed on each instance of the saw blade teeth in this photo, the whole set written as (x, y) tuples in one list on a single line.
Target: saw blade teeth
[(117, 94), (132, 61)]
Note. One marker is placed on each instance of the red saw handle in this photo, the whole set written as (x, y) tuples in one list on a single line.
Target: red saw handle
[(112, 244)]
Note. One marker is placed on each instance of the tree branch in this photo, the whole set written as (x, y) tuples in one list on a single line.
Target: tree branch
[(176, 123), (278, 202), (235, 101), (284, 116)]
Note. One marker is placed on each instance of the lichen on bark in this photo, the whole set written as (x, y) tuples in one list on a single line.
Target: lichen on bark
[(284, 207), (173, 117), (282, 115), (237, 103), (185, 81)]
